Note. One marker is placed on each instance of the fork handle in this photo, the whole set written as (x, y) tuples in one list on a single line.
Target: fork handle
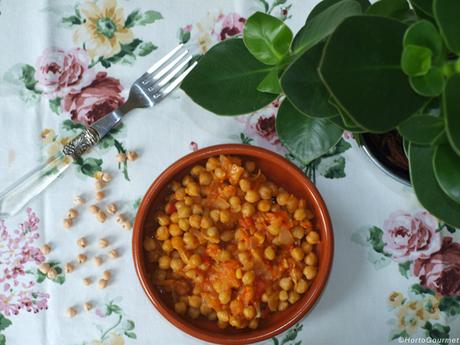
[(17, 195)]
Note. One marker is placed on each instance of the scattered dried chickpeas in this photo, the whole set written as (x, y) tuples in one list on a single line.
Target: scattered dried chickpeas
[(67, 223), (100, 195), (45, 249), (82, 242), (68, 267), (94, 209), (219, 228), (132, 155), (113, 254), (52, 273), (81, 258), (106, 275), (111, 208), (106, 177), (101, 216), (72, 213), (102, 283), (97, 261), (44, 267), (103, 243), (87, 306), (78, 200), (99, 185), (71, 312), (87, 281)]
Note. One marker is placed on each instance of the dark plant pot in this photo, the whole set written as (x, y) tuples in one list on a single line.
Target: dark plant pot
[(387, 152)]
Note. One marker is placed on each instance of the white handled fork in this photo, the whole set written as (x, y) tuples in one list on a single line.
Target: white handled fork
[(148, 90)]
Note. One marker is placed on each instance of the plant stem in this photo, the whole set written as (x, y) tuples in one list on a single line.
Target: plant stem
[(104, 335)]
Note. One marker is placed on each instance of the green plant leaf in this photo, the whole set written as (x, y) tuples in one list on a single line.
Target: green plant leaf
[(55, 105), (150, 17), (446, 165), (303, 87), (364, 83), (404, 269), (416, 60), (451, 109), (324, 4), (270, 83), (338, 121), (145, 48), (267, 38), (398, 9), (226, 78), (446, 13), (424, 5), (323, 25), (430, 84), (426, 187), (424, 34), (332, 167), (420, 290), (4, 322), (421, 128), (450, 305), (306, 138)]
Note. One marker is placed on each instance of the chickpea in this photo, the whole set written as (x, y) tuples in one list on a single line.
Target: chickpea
[(300, 214), (190, 241), (269, 253), (225, 297), (206, 222), (283, 305), (264, 205), (71, 312), (225, 216), (193, 189), (248, 278), (238, 273), (313, 237), (297, 253), (174, 218), (196, 170), (282, 198), (212, 232), (175, 230), (265, 192), (167, 246), (205, 178), (222, 315), (252, 196), (293, 297), (163, 220), (194, 220), (250, 166), (298, 232), (184, 224), (248, 210), (226, 236), (162, 233), (212, 316), (180, 308), (186, 180), (307, 247), (249, 312), (311, 259), (215, 215), (245, 185), (253, 324), (72, 213), (301, 286), (195, 260), (274, 229), (310, 272), (176, 264), (164, 262), (219, 173), (285, 283), (212, 163), (234, 201), (283, 295), (194, 301), (184, 212)]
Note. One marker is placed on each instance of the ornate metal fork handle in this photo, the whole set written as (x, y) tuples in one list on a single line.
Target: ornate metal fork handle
[(82, 143)]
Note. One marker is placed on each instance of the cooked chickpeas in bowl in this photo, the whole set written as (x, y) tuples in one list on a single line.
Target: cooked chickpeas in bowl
[(233, 244)]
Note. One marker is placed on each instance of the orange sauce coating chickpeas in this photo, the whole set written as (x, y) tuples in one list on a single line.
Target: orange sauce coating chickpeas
[(232, 246)]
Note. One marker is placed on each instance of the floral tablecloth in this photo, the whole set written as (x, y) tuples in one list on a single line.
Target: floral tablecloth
[(396, 272)]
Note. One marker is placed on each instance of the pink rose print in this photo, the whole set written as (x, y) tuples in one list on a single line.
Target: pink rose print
[(408, 237), (231, 25), (59, 72), (18, 255), (441, 271), (261, 127), (94, 101)]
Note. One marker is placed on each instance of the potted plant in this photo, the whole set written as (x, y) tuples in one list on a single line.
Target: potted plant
[(386, 70)]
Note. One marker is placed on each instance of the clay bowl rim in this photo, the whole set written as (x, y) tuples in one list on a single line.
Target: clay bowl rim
[(303, 306)]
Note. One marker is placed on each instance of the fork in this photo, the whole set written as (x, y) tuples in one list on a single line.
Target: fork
[(148, 90)]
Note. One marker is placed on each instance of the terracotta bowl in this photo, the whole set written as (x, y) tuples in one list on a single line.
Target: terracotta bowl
[(284, 174)]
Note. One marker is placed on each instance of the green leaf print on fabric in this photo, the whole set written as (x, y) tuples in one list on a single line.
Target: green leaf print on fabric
[(58, 279), (450, 305), (420, 290), (375, 239), (145, 48), (88, 166), (370, 238), (55, 105), (436, 331), (290, 336), (404, 269), (4, 322)]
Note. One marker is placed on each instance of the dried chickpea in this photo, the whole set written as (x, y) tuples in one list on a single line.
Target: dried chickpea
[(71, 312), (87, 306), (111, 208), (297, 253), (44, 267), (180, 308), (78, 200), (248, 278), (113, 254), (68, 268), (285, 283), (67, 223), (81, 258), (97, 261), (101, 216), (103, 243), (311, 259), (132, 155), (313, 237), (301, 286), (45, 249), (106, 275), (264, 205), (162, 233), (126, 225), (99, 185), (87, 281), (102, 283), (94, 209), (100, 195), (82, 242), (247, 210), (310, 272), (106, 177), (73, 213), (121, 157)]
